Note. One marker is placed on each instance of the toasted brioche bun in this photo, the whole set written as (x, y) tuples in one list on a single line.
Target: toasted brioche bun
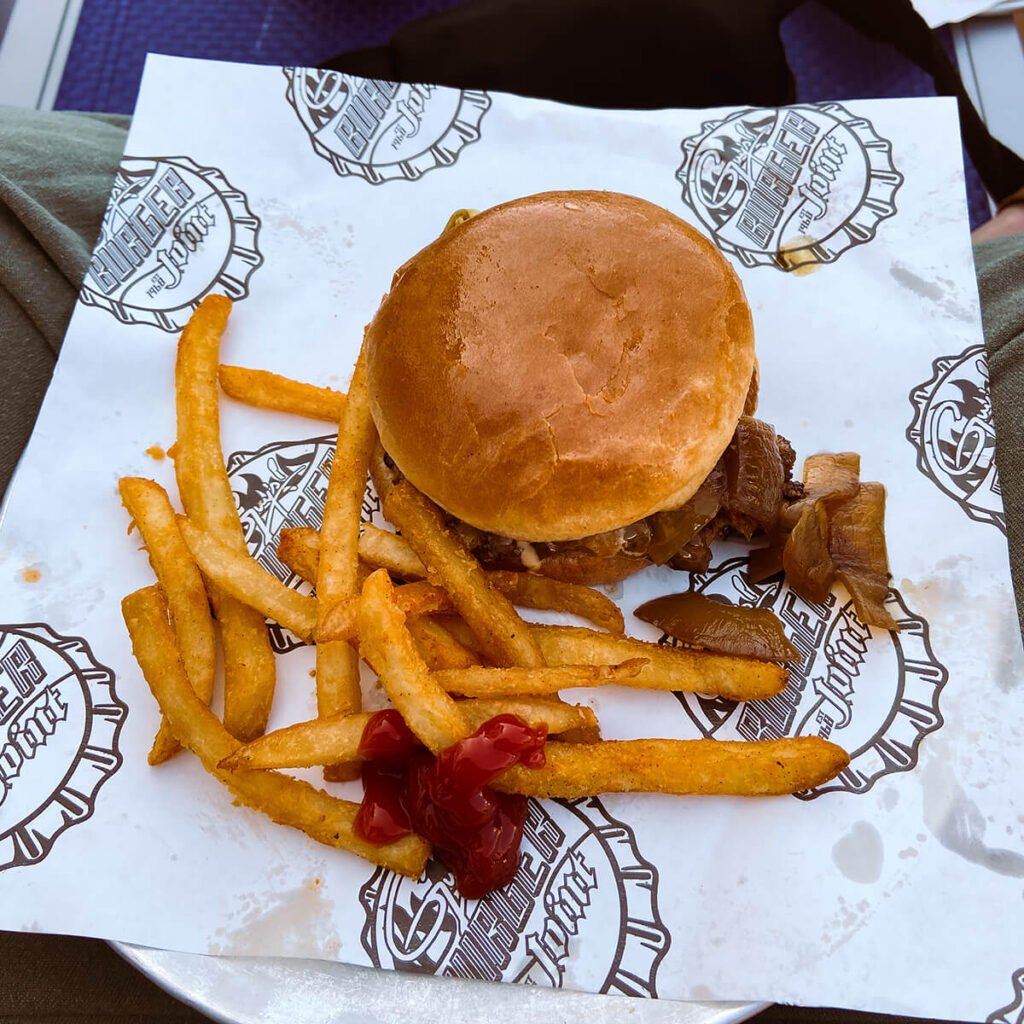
[(561, 365)]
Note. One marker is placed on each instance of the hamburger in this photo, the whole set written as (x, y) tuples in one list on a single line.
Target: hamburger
[(571, 378)]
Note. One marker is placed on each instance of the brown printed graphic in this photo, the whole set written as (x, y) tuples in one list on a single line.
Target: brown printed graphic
[(60, 720), (881, 725), (384, 131), (955, 437), (284, 484), (173, 232), (789, 187), (1013, 1011), (582, 884)]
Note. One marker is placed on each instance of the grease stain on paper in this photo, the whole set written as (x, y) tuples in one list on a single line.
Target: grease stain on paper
[(938, 293), (859, 855), (793, 259), (955, 820), (846, 922), (299, 922)]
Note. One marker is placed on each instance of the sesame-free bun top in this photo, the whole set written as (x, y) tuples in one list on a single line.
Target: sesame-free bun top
[(561, 365)]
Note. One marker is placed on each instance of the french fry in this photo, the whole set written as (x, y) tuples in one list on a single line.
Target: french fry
[(328, 740), (338, 664), (532, 591), (388, 646), (286, 800), (684, 767), (437, 647), (422, 598), (456, 625), (319, 742), (339, 624), (386, 550), (575, 722), (281, 394), (503, 634), (151, 511), (298, 547), (249, 670), (508, 682), (337, 578), (413, 599), (389, 551), (667, 668), (241, 576)]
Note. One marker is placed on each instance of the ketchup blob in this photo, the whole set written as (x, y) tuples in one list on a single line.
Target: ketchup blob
[(474, 830)]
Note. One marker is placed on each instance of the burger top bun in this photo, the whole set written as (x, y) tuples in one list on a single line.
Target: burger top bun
[(561, 365)]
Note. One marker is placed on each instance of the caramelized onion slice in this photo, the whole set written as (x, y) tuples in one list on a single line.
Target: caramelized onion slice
[(765, 562), (697, 621), (695, 556), (672, 531), (829, 477), (806, 559), (754, 475), (857, 544)]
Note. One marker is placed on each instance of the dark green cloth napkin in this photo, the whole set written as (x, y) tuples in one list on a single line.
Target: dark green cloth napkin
[(55, 175), (1000, 268)]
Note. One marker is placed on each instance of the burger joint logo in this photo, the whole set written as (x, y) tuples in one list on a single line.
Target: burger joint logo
[(172, 233), (582, 883), (955, 439), (1013, 1012), (59, 725), (384, 131), (874, 692), (789, 187)]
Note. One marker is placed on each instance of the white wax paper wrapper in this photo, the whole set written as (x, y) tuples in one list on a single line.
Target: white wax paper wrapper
[(949, 12), (896, 887)]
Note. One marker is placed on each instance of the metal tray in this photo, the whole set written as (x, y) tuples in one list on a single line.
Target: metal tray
[(266, 990)]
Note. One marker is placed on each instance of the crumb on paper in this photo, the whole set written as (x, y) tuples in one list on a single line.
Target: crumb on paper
[(156, 453), (312, 673), (31, 574)]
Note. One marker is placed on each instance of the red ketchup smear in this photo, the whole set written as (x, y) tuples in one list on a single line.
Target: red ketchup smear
[(474, 830)]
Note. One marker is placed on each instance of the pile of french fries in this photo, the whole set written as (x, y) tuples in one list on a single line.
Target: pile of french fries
[(442, 634)]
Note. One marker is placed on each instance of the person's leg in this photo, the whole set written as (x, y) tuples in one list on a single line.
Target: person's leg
[(56, 171)]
